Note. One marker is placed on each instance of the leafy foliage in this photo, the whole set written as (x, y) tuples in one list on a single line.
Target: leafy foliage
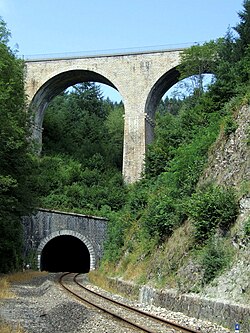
[(230, 125), (118, 225), (17, 168), (161, 217), (210, 208), (215, 256), (82, 152), (247, 227)]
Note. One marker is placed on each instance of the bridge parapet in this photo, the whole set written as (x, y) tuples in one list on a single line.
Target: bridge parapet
[(109, 52)]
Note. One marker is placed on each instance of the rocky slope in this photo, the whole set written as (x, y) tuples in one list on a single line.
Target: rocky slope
[(229, 165)]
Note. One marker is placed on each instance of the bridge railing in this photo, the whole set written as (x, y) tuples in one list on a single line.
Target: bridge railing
[(109, 52)]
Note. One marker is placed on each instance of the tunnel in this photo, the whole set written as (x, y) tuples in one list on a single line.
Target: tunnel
[(65, 254)]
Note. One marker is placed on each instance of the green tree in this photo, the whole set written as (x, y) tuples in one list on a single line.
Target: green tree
[(114, 124), (81, 124), (243, 29), (197, 61), (80, 169), (17, 196)]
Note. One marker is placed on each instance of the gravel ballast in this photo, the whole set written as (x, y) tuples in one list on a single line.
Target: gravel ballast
[(41, 305)]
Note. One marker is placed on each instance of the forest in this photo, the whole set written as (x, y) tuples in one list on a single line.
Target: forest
[(80, 167)]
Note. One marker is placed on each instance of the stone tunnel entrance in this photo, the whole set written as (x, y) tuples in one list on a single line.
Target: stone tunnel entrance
[(65, 253)]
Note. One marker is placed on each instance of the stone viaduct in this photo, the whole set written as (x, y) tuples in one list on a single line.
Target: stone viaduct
[(141, 78), (59, 241)]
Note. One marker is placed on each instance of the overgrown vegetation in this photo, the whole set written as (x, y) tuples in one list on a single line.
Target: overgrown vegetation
[(80, 168), (17, 167), (212, 208), (5, 291), (215, 256), (7, 279), (9, 329)]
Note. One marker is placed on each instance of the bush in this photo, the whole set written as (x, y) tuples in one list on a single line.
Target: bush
[(117, 227), (137, 199), (215, 257), (161, 217), (247, 228), (210, 208), (230, 125)]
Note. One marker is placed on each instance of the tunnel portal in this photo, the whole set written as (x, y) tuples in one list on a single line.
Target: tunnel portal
[(65, 253)]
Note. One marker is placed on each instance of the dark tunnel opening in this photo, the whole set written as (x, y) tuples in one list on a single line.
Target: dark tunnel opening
[(65, 254)]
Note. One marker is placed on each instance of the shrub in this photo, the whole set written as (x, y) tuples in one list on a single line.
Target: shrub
[(215, 257), (137, 198), (230, 125), (247, 227), (117, 226), (210, 208), (161, 217)]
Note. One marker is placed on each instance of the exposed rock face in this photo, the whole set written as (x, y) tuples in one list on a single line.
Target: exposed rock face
[(234, 284), (229, 163)]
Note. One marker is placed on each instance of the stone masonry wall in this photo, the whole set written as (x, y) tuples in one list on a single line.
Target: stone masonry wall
[(46, 223), (223, 313)]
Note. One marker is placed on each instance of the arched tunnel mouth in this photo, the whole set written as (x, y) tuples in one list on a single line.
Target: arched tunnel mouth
[(65, 253)]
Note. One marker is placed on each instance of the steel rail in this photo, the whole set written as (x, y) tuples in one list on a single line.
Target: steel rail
[(143, 313), (162, 320), (144, 329)]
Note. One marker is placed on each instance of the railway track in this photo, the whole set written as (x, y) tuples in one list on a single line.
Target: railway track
[(143, 321)]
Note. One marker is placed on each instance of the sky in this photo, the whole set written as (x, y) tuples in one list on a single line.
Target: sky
[(44, 27)]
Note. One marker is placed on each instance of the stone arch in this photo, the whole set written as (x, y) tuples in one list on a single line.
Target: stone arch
[(161, 86), (164, 83), (54, 86), (84, 239)]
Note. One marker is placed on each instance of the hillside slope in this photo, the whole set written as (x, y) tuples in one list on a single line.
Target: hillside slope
[(229, 161), (229, 165), (178, 264)]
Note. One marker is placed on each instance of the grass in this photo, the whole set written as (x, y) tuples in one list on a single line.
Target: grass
[(5, 291), (7, 279), (158, 267), (24, 276), (98, 279), (4, 328)]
